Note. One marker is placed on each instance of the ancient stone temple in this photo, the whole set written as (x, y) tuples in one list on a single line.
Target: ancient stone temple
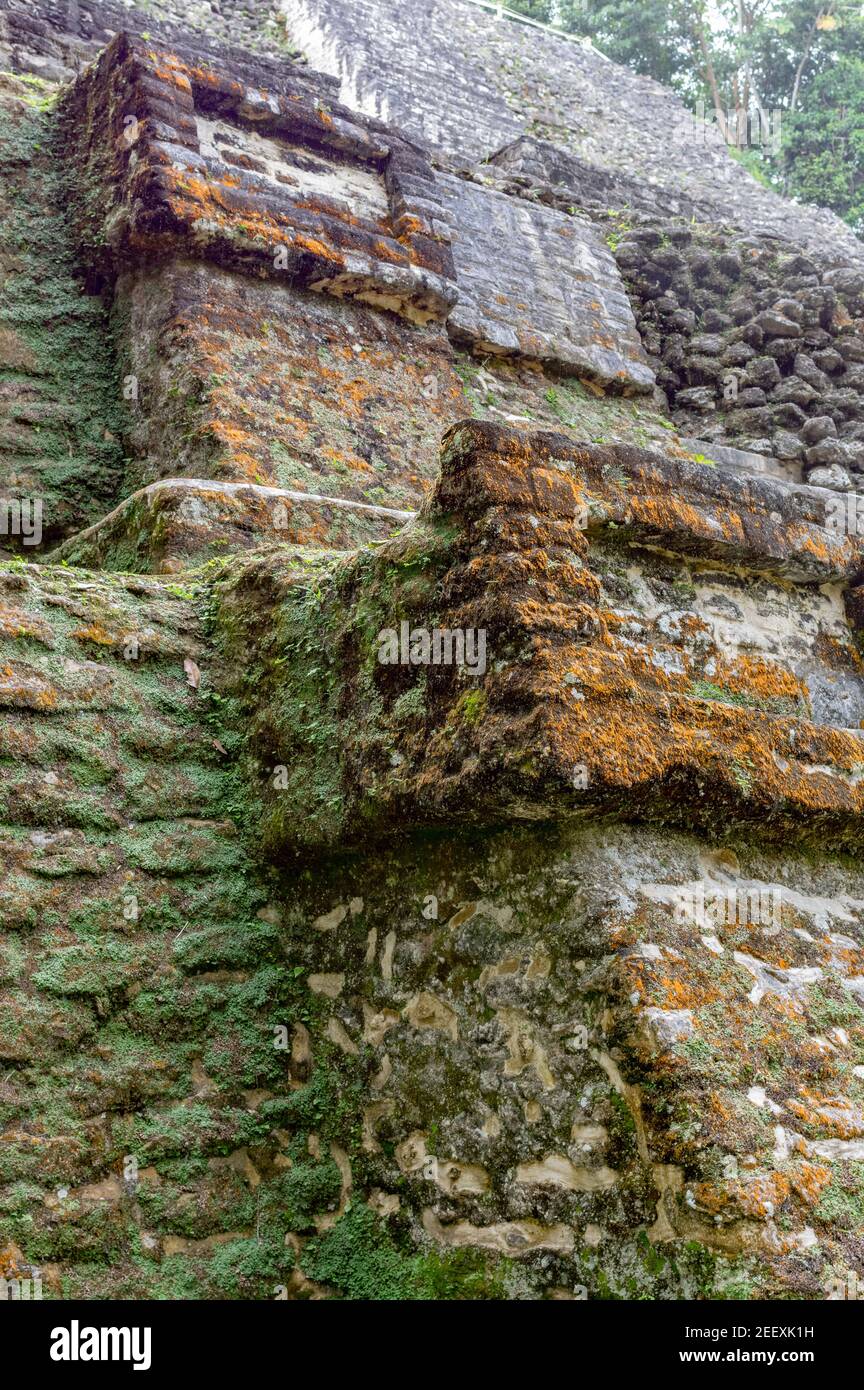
[(431, 610)]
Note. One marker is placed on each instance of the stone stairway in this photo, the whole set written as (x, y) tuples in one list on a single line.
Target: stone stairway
[(127, 918)]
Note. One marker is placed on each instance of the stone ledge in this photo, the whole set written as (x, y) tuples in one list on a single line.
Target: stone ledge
[(180, 523), (742, 460)]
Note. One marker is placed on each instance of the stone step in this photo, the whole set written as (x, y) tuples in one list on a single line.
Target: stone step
[(116, 787), (180, 523), (743, 460)]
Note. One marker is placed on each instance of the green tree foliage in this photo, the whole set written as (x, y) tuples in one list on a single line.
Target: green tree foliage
[(823, 146)]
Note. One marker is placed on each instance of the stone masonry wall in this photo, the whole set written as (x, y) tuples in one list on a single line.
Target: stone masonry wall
[(255, 382), (540, 284), (496, 1063), (270, 369), (754, 345)]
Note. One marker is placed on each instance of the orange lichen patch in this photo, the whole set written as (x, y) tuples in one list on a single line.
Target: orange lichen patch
[(688, 627), (763, 1195), (168, 68), (718, 1115), (208, 194), (16, 623), (841, 654), (851, 958), (409, 226), (811, 544), (764, 680), (211, 350), (250, 466), (388, 251), (758, 946), (25, 691), (340, 213), (319, 227), (294, 422), (193, 200), (608, 341), (673, 514), (809, 1180), (346, 459), (318, 248), (228, 433), (675, 993), (96, 633), (12, 1262), (629, 703), (834, 1115), (357, 391), (206, 77), (492, 574), (624, 933), (759, 1196), (316, 534), (608, 670)]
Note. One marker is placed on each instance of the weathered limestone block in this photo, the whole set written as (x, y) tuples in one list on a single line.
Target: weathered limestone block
[(240, 379), (536, 167), (740, 460), (537, 282), (181, 523)]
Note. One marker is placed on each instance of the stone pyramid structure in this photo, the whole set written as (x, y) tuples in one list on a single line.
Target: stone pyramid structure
[(431, 690)]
